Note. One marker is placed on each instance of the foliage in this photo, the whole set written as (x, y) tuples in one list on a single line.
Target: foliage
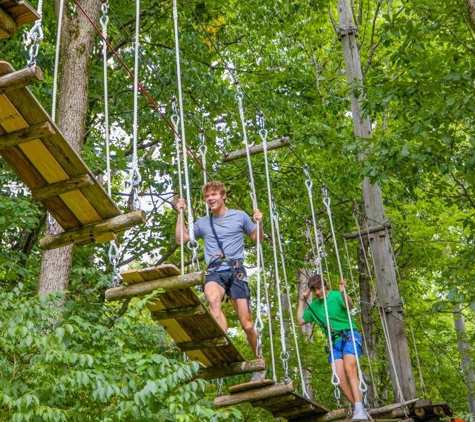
[(64, 361), (417, 60)]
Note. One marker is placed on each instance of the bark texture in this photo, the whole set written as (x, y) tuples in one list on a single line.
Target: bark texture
[(77, 41)]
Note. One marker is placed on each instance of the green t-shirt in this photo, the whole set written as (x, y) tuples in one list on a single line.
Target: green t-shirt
[(337, 313)]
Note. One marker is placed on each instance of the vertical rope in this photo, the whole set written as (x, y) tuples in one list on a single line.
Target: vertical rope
[(192, 244), (56, 60)]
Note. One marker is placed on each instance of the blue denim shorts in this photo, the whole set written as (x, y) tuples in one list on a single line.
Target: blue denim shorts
[(345, 346), (234, 281)]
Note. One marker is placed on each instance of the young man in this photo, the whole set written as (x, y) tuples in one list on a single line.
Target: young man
[(341, 340), (223, 234)]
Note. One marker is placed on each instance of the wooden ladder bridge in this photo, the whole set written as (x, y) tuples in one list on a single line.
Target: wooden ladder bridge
[(37, 152)]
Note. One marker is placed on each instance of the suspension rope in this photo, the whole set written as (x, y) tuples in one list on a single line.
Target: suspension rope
[(135, 178), (335, 380), (56, 60), (421, 378), (192, 244), (258, 323), (268, 310), (203, 149), (326, 200), (113, 249)]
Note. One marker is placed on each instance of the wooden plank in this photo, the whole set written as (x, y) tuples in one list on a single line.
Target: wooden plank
[(390, 407), (93, 231), (8, 25), (60, 188), (178, 312), (206, 343), (254, 395), (238, 388), (20, 78), (140, 275), (279, 143), (237, 368), (144, 288), (21, 11), (26, 134)]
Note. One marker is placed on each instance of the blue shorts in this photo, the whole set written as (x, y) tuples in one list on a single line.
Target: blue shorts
[(345, 346), (232, 280)]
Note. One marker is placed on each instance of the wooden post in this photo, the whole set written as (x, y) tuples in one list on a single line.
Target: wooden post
[(466, 360), (20, 78), (400, 365)]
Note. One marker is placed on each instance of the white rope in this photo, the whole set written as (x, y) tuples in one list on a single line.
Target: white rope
[(335, 380), (203, 150), (104, 21), (258, 323), (292, 321), (391, 356), (423, 386), (269, 321), (175, 120), (56, 60), (192, 244), (326, 200), (135, 177)]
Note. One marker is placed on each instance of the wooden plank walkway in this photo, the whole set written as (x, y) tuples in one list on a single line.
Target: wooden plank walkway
[(14, 13), (188, 322), (54, 172), (277, 398)]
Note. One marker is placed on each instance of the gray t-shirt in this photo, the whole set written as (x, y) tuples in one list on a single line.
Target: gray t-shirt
[(230, 230)]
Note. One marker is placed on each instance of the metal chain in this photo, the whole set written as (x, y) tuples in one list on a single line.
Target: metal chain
[(135, 178), (114, 260), (35, 36)]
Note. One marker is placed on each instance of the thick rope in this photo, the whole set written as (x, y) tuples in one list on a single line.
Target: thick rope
[(56, 60), (335, 380), (326, 200), (258, 323), (192, 244), (135, 177)]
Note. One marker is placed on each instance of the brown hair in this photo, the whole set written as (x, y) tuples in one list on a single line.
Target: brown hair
[(315, 282), (214, 185)]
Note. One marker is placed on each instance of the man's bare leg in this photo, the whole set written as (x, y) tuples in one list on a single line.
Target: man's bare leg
[(214, 294)]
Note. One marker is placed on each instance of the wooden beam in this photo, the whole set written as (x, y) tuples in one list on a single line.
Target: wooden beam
[(8, 26), (239, 368), (20, 78), (254, 395), (297, 410), (168, 283), (333, 415), (365, 232), (256, 149), (390, 407), (186, 311), (56, 189), (27, 134), (93, 231), (207, 343)]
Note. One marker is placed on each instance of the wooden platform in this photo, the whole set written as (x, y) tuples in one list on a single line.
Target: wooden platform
[(179, 310), (37, 152), (14, 13), (279, 399)]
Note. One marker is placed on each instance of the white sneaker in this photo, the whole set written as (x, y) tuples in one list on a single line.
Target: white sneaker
[(360, 415), (258, 376)]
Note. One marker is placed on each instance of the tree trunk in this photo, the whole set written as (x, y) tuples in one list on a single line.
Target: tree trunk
[(390, 301), (466, 360), (471, 12), (77, 41)]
